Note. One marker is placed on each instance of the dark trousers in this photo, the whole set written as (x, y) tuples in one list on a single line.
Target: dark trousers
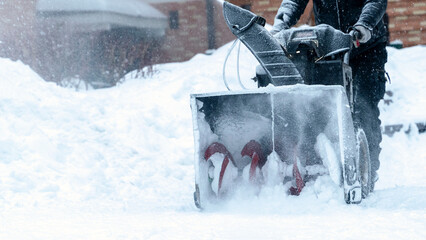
[(368, 70)]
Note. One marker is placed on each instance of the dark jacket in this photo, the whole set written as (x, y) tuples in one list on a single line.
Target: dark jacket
[(340, 14)]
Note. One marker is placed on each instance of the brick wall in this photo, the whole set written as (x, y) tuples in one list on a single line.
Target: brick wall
[(267, 9), (190, 34), (407, 21), (191, 37)]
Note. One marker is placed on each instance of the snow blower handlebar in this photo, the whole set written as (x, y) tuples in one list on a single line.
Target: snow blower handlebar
[(356, 36), (293, 56)]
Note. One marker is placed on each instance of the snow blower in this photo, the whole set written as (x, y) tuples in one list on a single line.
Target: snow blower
[(288, 134)]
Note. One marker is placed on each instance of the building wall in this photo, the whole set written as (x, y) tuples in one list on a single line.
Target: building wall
[(191, 36), (407, 21)]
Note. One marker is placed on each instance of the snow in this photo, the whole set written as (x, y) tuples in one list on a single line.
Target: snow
[(324, 149), (118, 163), (406, 86)]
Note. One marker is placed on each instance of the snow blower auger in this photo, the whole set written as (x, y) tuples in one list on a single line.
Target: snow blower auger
[(291, 133)]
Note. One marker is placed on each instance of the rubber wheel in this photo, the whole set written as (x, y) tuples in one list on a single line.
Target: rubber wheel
[(363, 160)]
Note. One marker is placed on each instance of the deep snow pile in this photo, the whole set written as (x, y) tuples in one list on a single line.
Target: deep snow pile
[(118, 163)]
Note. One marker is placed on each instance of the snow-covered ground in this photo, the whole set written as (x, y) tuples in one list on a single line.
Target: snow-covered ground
[(118, 163)]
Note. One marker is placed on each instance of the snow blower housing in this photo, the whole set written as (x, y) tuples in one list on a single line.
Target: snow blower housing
[(292, 133)]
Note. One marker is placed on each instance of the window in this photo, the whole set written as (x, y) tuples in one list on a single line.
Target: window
[(174, 19)]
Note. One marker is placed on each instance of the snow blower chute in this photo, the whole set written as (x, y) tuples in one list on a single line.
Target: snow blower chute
[(291, 133)]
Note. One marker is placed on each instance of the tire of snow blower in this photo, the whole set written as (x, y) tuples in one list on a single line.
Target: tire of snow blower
[(363, 160)]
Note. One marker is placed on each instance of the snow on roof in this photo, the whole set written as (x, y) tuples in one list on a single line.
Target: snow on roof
[(127, 7), (102, 15)]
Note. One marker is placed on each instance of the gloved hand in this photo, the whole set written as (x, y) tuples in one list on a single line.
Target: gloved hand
[(365, 33)]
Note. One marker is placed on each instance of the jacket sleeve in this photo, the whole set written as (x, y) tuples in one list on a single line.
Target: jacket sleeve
[(288, 14), (372, 13)]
